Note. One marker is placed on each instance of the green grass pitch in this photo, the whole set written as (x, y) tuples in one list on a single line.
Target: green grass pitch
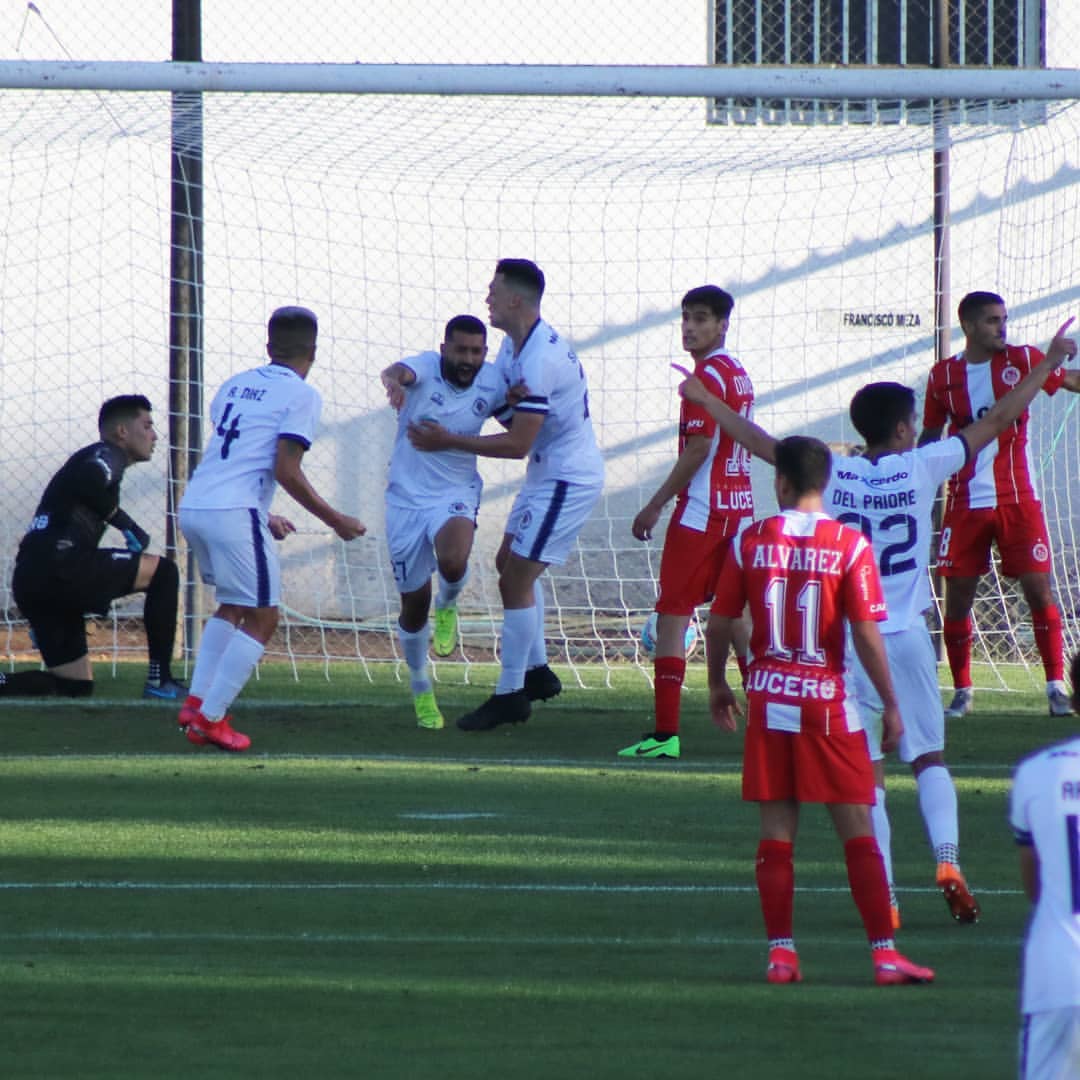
[(357, 897)]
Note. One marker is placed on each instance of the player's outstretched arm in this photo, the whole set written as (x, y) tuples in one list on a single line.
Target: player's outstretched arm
[(395, 379), (1010, 408), (289, 473), (870, 649), (515, 442), (745, 432)]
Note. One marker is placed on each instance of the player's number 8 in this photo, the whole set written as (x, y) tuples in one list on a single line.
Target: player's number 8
[(943, 546)]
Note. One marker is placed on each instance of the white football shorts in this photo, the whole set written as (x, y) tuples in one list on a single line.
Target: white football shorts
[(236, 555), (914, 674), (1050, 1044), (410, 534), (546, 518)]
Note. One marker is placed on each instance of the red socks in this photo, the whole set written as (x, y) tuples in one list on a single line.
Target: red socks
[(1048, 638), (958, 637), (775, 873), (869, 887), (668, 672)]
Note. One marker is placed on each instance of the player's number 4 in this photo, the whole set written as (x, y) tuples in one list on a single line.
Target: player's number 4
[(228, 432)]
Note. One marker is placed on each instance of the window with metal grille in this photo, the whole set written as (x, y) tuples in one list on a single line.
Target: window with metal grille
[(982, 33)]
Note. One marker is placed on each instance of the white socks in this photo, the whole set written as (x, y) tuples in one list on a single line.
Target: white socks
[(449, 591), (937, 801), (414, 646), (883, 833), (237, 662), (519, 629), (538, 648), (216, 635)]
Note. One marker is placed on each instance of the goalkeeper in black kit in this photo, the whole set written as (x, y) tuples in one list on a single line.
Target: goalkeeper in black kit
[(61, 574)]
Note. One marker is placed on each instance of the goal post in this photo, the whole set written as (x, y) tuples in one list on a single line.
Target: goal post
[(796, 81), (381, 197)]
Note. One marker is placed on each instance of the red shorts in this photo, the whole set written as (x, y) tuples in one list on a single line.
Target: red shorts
[(808, 766), (1018, 531), (690, 563)]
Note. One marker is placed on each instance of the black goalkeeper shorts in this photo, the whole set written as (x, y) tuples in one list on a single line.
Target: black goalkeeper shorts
[(56, 594)]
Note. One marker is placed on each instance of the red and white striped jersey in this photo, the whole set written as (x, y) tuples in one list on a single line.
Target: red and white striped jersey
[(957, 394), (804, 575), (721, 486)]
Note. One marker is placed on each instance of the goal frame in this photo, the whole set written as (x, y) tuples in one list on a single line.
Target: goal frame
[(187, 79)]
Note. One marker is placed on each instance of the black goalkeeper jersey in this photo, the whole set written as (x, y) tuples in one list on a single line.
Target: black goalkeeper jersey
[(79, 502)]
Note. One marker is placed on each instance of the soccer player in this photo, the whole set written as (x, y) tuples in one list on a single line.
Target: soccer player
[(805, 576), (263, 421), (993, 499), (432, 499), (61, 573), (888, 494), (550, 425), (710, 482), (1045, 818)]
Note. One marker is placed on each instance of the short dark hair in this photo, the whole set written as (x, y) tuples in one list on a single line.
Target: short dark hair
[(523, 275), (719, 302), (974, 302), (878, 407), (1074, 674), (291, 332), (119, 410), (804, 462), (465, 324)]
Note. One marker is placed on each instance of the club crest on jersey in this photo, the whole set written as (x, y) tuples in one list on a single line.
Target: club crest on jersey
[(459, 509), (1010, 376), (480, 407), (1040, 552), (437, 398)]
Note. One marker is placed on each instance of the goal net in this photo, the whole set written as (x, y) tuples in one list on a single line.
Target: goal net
[(386, 213)]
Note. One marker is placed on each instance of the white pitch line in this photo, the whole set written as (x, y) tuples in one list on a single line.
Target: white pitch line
[(433, 886), (545, 941), (725, 768)]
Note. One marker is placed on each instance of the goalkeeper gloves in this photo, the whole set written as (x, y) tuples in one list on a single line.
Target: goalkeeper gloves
[(136, 539)]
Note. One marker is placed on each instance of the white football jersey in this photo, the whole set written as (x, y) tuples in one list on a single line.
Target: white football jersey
[(891, 501), (1045, 811), (417, 476), (248, 415), (565, 448)]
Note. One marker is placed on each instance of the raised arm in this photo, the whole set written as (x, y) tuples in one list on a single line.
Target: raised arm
[(745, 432), (1009, 408)]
